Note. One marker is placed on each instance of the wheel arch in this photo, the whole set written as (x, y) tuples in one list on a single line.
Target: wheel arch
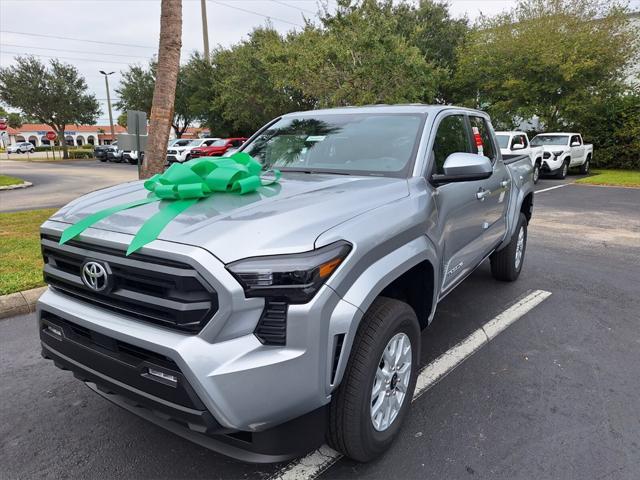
[(402, 274)]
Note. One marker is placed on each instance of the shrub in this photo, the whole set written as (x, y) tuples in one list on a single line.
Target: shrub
[(47, 148), (87, 146), (80, 153)]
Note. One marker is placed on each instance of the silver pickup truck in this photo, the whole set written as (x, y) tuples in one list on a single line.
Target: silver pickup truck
[(262, 325)]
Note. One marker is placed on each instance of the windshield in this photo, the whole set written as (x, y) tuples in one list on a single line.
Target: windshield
[(365, 144), (503, 140), (550, 140), (218, 143), (182, 143)]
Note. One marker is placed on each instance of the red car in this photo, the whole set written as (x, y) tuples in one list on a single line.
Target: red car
[(217, 148)]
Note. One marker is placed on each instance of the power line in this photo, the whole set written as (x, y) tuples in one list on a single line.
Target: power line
[(72, 51), (293, 6), (256, 13), (92, 60), (30, 34)]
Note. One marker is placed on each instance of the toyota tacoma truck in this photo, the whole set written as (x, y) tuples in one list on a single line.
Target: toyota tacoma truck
[(262, 325), (563, 151), (517, 143)]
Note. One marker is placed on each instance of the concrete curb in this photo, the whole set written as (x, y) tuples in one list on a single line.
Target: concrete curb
[(19, 185), (20, 303)]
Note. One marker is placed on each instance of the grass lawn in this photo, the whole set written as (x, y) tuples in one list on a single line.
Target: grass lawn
[(6, 180), (622, 178), (20, 258)]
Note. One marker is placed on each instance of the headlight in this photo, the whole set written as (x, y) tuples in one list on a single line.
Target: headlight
[(557, 154), (296, 277)]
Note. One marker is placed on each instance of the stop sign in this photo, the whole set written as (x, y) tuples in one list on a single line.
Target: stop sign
[(3, 126), (51, 135)]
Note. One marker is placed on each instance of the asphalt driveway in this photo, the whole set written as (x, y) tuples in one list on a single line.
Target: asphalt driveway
[(57, 183), (553, 396)]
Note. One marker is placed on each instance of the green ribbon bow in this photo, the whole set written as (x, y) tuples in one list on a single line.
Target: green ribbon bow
[(183, 184)]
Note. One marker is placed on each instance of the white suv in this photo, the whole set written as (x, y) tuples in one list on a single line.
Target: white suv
[(21, 147), (180, 151)]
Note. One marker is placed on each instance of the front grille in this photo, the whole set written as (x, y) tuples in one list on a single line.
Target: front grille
[(172, 152), (546, 155), (161, 291)]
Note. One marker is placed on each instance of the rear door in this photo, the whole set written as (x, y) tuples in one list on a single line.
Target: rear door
[(461, 214), (494, 204)]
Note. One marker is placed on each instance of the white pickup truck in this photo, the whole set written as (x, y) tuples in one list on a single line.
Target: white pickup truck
[(563, 151), (517, 143)]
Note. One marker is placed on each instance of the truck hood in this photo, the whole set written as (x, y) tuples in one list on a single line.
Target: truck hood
[(283, 218), (554, 148)]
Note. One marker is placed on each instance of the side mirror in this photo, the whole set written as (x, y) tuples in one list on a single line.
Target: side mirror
[(575, 144), (517, 146), (464, 167)]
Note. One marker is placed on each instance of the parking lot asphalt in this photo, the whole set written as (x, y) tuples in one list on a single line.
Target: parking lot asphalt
[(553, 396), (57, 183)]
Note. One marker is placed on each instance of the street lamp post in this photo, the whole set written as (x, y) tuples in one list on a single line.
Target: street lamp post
[(106, 82)]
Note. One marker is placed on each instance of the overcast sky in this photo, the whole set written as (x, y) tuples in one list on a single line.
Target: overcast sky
[(135, 25)]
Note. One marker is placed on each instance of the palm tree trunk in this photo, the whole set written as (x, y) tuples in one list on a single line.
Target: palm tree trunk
[(164, 93)]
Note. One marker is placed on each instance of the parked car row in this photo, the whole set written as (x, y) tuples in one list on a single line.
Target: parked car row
[(550, 153), (183, 150)]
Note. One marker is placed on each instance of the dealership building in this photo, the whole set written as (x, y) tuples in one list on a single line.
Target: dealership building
[(74, 135)]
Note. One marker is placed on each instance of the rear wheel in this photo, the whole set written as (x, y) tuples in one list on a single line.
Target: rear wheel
[(506, 264), (536, 173), (370, 404)]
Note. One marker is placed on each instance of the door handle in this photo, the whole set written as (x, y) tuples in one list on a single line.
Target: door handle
[(482, 194)]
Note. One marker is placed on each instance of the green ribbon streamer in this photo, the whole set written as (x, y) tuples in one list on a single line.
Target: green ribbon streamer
[(183, 185)]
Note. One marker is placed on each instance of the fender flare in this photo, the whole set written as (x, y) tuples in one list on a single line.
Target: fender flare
[(368, 286)]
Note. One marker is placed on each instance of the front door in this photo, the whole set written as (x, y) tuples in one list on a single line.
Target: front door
[(464, 209)]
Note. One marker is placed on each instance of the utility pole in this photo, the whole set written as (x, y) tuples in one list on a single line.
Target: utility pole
[(205, 29), (106, 82)]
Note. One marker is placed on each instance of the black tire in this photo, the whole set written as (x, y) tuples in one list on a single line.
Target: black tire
[(536, 173), (503, 262), (584, 168), (102, 159), (563, 171), (351, 430)]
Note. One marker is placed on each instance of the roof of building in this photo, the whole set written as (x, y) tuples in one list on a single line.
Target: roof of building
[(38, 127)]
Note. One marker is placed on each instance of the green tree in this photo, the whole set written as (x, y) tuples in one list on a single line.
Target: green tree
[(428, 25), (543, 58), (358, 56), (14, 119), (248, 90), (122, 119), (136, 93), (55, 94)]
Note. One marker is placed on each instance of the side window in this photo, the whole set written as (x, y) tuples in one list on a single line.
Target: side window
[(451, 137), (524, 141), (576, 138), (483, 142)]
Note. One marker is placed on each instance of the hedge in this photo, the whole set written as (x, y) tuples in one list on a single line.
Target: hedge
[(80, 153)]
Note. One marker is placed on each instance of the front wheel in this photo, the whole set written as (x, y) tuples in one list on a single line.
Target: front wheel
[(370, 404), (584, 168), (563, 171), (506, 264)]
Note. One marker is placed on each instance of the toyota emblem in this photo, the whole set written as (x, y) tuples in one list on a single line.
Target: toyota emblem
[(95, 276)]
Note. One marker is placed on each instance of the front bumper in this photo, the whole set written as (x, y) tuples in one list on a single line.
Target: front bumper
[(238, 383), (552, 164)]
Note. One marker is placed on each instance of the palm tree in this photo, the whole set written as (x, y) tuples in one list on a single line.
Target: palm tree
[(164, 93)]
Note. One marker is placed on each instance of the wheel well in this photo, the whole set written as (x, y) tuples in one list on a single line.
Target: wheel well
[(538, 161), (414, 287), (527, 206)]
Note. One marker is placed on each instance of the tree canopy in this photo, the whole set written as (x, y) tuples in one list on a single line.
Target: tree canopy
[(55, 94), (545, 59)]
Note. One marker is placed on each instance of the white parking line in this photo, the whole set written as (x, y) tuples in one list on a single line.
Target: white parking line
[(318, 461), (552, 188)]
